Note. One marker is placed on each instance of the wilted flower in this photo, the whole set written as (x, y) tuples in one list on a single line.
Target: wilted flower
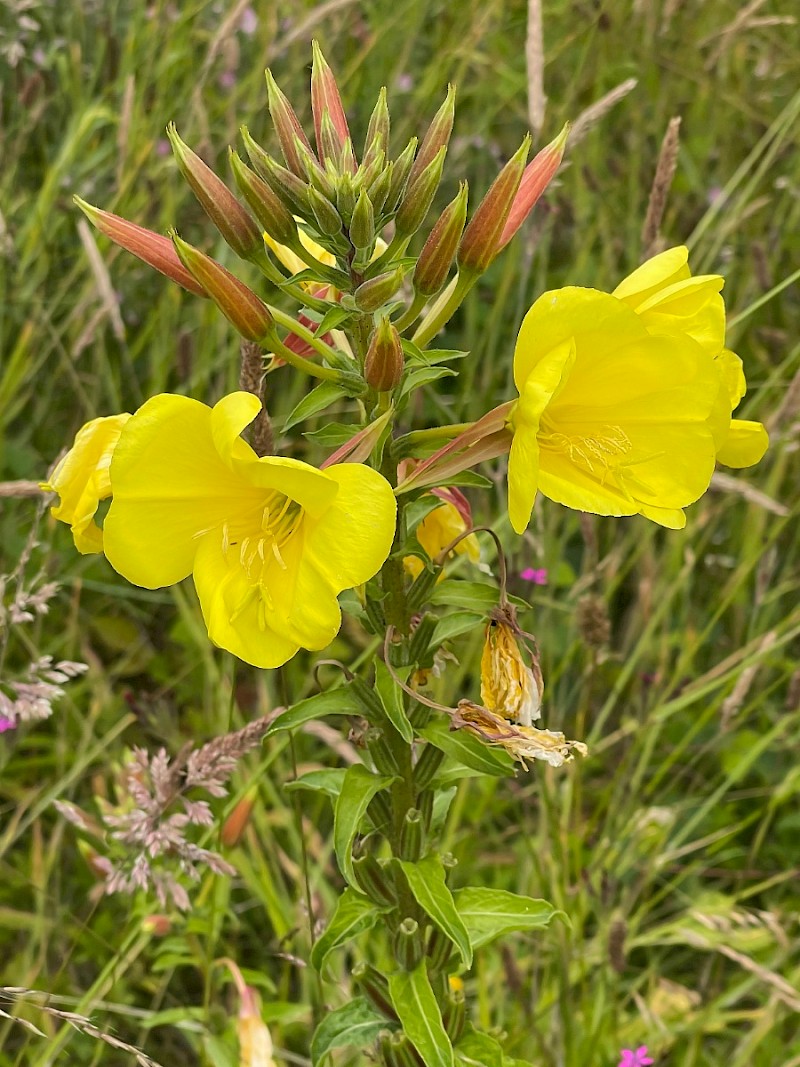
[(522, 742), (269, 541), (509, 687)]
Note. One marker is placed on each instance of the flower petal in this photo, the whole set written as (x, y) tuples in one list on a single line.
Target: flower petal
[(692, 308), (745, 445), (565, 483), (653, 275), (169, 486), (732, 371), (672, 518)]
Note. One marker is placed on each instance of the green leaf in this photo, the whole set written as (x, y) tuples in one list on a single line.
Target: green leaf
[(358, 788), (354, 914), (392, 700), (426, 879), (328, 780), (333, 702), (332, 318), (468, 479), (414, 354), (419, 376), (420, 508), (454, 593), (455, 624), (479, 1050), (419, 1013), (332, 435), (490, 913), (468, 749), (355, 1024), (320, 397)]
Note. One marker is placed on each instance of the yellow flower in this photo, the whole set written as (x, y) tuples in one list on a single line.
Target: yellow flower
[(669, 300), (270, 541), (441, 527), (509, 687), (81, 480), (293, 263), (612, 419)]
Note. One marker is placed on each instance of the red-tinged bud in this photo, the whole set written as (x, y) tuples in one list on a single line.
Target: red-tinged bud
[(265, 204), (383, 366), (325, 98), (481, 240), (438, 135), (240, 305), (436, 258), (378, 128), (537, 176), (347, 158), (400, 172), (287, 126), (152, 248), (233, 222), (157, 925), (327, 217), (418, 197), (293, 191), (330, 148), (236, 823), (374, 293), (100, 866), (362, 224)]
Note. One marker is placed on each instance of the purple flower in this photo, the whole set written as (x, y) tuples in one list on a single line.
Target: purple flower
[(537, 575), (639, 1058), (7, 724), (249, 21)]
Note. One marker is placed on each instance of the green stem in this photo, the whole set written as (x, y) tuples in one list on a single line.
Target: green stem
[(308, 366), (299, 330), (444, 308), (272, 273), (433, 434)]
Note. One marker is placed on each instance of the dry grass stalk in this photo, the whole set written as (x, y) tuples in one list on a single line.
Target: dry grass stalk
[(102, 279), (592, 115), (20, 489), (733, 703), (251, 379), (662, 182), (785, 415), (726, 483), (534, 58)]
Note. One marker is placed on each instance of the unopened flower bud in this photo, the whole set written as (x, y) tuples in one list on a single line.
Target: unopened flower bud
[(236, 823), (153, 249), (240, 305), (293, 191), (157, 925), (429, 762), (362, 224), (325, 98), (439, 251), (438, 135), (418, 197), (412, 835), (378, 128), (233, 222), (287, 126), (378, 190), (327, 217), (369, 170), (397, 1051), (407, 945), (400, 172), (331, 146), (321, 177), (440, 949), (375, 987), (481, 240), (265, 204), (454, 1014), (347, 158), (537, 176), (383, 367), (372, 294), (374, 880)]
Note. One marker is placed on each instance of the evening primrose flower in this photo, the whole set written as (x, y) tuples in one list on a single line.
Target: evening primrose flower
[(611, 419), (522, 742), (669, 300), (81, 479), (269, 541), (441, 527)]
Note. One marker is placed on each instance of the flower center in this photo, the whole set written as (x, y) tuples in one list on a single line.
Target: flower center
[(600, 453)]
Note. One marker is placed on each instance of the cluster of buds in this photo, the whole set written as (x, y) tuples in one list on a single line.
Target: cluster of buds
[(332, 233)]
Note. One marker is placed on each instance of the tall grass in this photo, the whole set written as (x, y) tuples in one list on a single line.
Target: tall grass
[(673, 848)]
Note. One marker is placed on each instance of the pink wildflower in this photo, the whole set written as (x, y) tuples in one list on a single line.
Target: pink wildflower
[(637, 1058), (537, 575), (7, 724)]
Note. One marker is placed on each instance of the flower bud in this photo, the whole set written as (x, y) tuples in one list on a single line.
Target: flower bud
[(287, 126), (347, 158), (374, 880), (440, 949), (369, 171), (397, 1051), (378, 190), (327, 217), (537, 176), (412, 835), (152, 248), (379, 809), (438, 135), (240, 305), (157, 925), (372, 294), (325, 98), (322, 178), (293, 191), (362, 224), (407, 944), (418, 197), (429, 762), (345, 196), (381, 753), (267, 207), (400, 173), (378, 129), (383, 367), (233, 222), (481, 240), (236, 823), (375, 987), (439, 251), (331, 147), (454, 1014)]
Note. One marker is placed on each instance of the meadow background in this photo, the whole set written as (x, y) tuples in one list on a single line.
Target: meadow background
[(674, 846)]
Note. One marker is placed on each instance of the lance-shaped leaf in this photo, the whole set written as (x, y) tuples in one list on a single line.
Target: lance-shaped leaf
[(354, 1025), (334, 702), (354, 914), (418, 1011), (358, 789), (426, 880), (475, 1049), (490, 913), (467, 749)]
